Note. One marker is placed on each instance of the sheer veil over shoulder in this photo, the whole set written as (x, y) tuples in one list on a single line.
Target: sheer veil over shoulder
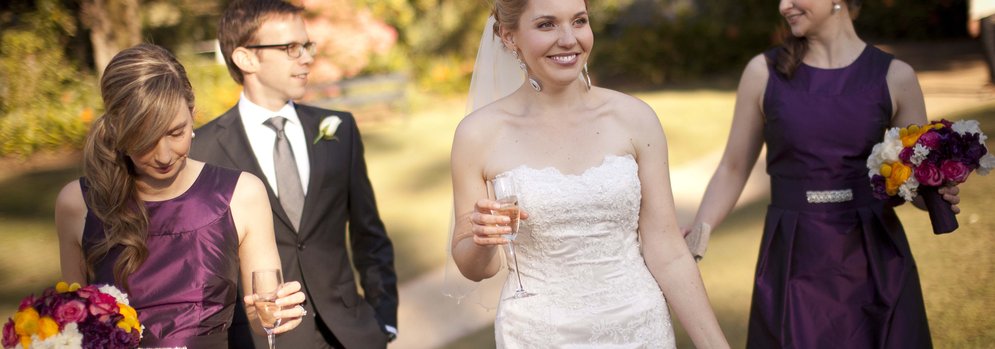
[(495, 75)]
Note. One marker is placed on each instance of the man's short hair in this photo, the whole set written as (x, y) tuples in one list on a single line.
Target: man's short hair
[(241, 21)]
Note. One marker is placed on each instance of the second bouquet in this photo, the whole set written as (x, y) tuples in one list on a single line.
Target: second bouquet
[(918, 159)]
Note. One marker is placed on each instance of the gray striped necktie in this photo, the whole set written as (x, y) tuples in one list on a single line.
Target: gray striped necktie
[(288, 180)]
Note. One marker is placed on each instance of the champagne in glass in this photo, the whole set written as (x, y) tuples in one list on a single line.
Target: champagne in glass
[(509, 207), (506, 194), (265, 284)]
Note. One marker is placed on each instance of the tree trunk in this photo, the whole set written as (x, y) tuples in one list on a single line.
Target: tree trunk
[(114, 25)]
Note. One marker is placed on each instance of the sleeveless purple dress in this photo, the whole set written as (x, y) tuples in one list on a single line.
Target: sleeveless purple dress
[(185, 291), (835, 269)]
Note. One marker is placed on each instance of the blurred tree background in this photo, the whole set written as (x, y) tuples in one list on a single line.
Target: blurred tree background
[(52, 51)]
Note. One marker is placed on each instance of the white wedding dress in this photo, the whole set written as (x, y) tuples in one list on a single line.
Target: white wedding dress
[(579, 252)]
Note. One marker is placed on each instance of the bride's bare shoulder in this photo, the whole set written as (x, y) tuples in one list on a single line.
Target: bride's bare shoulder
[(481, 123), (625, 107)]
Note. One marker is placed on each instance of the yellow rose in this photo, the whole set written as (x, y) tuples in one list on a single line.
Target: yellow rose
[(898, 173), (47, 327), (26, 322), (26, 342), (910, 135), (130, 320)]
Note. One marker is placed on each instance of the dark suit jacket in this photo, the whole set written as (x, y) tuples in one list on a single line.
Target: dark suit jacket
[(339, 192)]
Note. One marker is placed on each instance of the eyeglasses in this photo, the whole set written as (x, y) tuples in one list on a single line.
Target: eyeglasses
[(294, 50)]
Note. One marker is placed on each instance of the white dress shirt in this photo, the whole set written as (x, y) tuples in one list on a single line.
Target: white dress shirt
[(262, 138)]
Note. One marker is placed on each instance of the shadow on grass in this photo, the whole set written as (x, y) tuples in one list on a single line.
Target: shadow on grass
[(32, 194)]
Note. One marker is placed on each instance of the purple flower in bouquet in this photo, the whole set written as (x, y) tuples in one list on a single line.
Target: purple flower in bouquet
[(27, 302), (906, 154), (878, 184), (119, 338), (95, 336), (10, 337), (972, 150), (930, 140)]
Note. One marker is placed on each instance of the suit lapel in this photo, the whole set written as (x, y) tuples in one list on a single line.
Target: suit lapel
[(316, 153), (234, 141)]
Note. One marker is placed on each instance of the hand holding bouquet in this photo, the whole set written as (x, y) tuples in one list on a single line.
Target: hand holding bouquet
[(919, 159), (70, 316)]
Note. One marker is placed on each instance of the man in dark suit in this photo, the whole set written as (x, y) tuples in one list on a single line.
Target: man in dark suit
[(316, 179)]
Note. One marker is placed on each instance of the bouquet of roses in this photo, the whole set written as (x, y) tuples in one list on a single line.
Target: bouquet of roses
[(917, 160), (70, 316)]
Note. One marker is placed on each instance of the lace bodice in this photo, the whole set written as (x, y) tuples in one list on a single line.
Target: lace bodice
[(579, 251)]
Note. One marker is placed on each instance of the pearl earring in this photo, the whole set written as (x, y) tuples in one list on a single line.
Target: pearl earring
[(837, 8)]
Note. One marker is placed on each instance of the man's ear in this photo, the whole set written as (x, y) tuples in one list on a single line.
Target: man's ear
[(245, 60)]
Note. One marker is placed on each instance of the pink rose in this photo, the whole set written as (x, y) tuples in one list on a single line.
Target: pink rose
[(955, 171), (10, 338), (927, 174), (71, 311), (102, 304), (87, 291)]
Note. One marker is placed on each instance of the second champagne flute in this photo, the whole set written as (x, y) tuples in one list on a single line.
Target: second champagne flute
[(506, 194), (265, 284)]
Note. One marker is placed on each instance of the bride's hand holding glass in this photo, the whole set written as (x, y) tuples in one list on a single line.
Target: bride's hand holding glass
[(489, 227)]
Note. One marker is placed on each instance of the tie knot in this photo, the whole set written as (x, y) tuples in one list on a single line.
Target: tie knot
[(276, 123)]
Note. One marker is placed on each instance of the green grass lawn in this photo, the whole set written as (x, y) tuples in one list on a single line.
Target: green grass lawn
[(408, 161)]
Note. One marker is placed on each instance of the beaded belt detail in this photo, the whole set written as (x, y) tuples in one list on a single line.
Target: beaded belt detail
[(828, 196)]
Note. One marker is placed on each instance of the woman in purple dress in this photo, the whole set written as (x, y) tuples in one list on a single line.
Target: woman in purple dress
[(173, 233), (835, 269)]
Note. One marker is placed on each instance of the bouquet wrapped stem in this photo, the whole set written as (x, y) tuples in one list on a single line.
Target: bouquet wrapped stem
[(941, 215)]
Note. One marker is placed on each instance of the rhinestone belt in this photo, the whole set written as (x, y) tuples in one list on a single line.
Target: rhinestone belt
[(828, 196)]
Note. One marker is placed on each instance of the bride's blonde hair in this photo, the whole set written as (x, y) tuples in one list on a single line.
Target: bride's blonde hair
[(507, 13), (143, 88)]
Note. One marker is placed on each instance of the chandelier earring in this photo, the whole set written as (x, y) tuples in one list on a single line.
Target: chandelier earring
[(532, 81), (587, 77), (837, 8)]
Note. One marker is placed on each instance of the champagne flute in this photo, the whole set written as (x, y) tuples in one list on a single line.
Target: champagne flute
[(265, 284), (506, 194)]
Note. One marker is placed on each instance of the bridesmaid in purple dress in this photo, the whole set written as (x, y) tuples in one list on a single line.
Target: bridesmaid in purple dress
[(835, 269), (173, 233)]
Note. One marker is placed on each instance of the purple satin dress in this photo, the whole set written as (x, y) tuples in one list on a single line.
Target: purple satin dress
[(185, 291), (835, 269)]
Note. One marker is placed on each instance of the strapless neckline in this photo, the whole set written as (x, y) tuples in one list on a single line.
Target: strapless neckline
[(608, 159)]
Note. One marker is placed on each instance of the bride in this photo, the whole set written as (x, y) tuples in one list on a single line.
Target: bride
[(599, 245)]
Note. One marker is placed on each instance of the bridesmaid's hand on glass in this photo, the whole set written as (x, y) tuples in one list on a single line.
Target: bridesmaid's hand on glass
[(488, 228), (291, 299)]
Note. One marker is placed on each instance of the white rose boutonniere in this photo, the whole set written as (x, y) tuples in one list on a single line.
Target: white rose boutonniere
[(326, 130)]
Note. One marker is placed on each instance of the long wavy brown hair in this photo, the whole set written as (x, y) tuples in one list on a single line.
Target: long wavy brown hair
[(793, 48), (143, 89)]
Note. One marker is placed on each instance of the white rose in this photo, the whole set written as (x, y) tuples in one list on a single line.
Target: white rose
[(327, 128)]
